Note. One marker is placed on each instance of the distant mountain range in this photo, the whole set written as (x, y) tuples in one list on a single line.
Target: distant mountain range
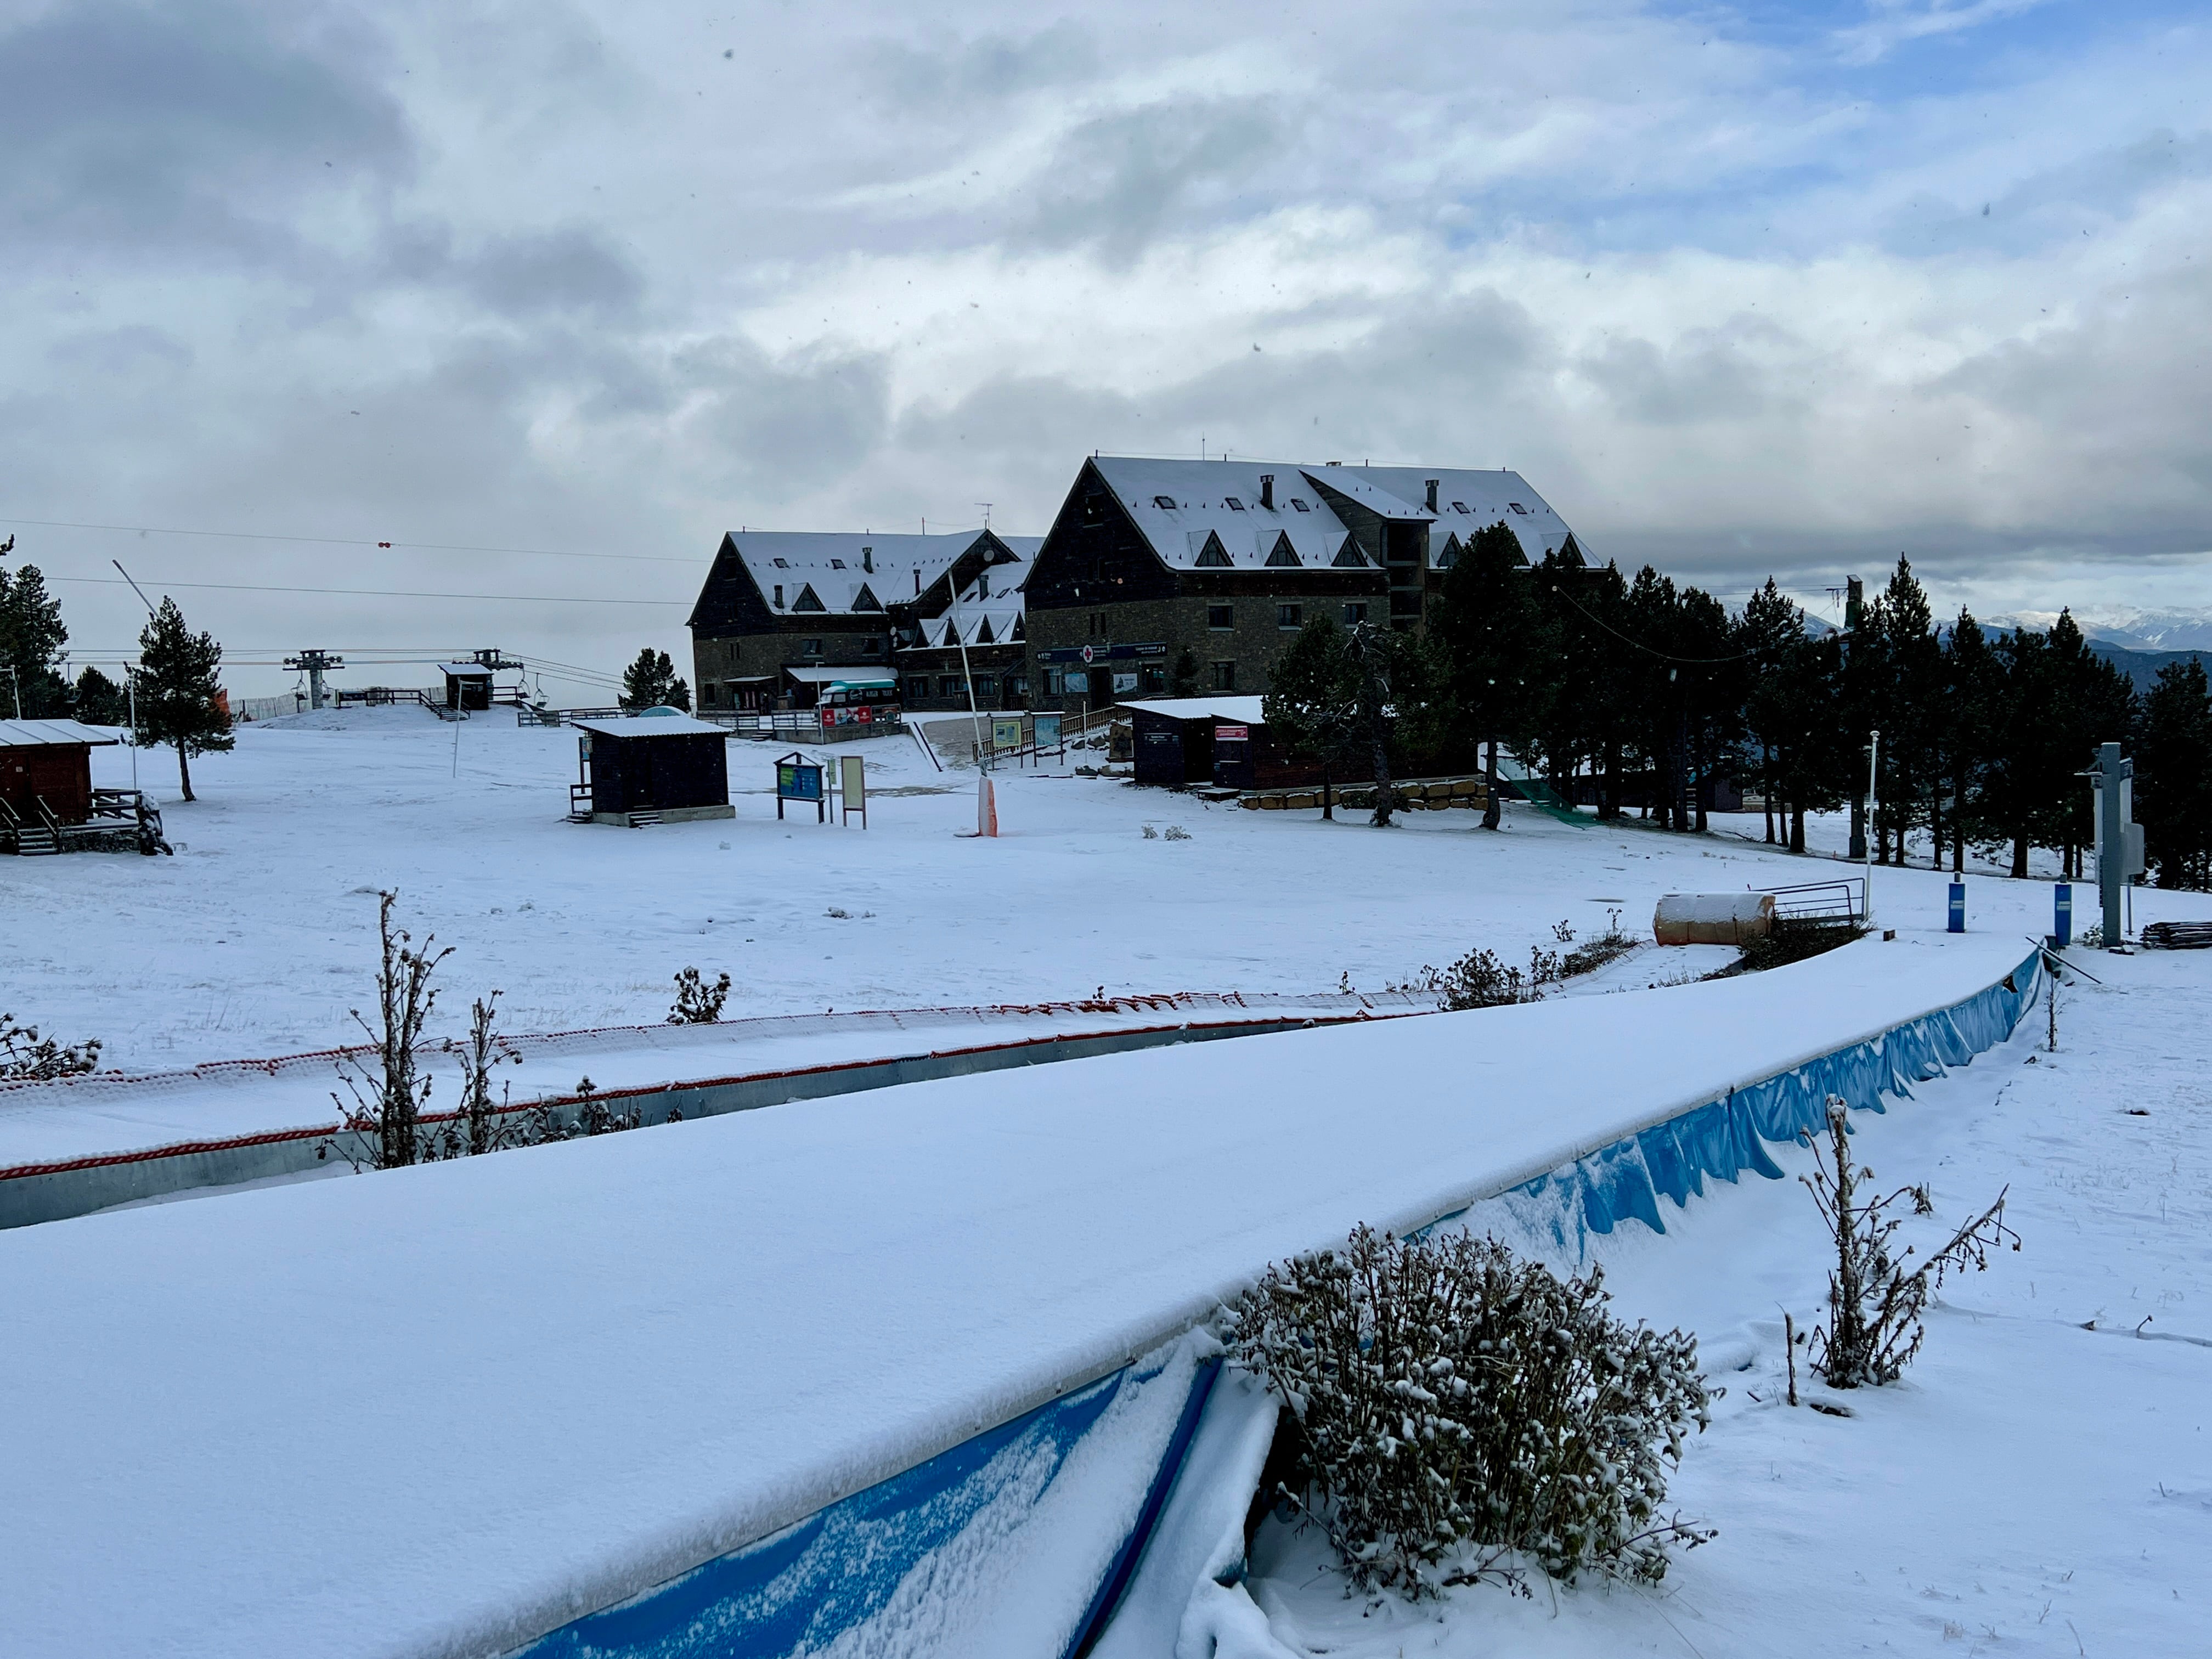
[(2137, 642), (2131, 630)]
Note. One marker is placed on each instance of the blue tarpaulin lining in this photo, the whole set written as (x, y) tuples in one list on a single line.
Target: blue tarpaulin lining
[(1725, 1137), (797, 1590)]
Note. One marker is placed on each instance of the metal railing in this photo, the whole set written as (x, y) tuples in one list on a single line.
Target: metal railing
[(1819, 901)]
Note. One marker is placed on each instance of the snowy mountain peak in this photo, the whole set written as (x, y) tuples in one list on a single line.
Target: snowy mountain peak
[(2126, 627)]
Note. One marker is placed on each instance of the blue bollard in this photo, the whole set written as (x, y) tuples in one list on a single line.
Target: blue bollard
[(2062, 913), (1958, 907)]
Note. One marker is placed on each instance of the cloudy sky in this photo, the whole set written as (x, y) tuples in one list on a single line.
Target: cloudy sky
[(1739, 289)]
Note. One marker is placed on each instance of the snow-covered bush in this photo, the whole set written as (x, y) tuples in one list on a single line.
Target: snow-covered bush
[(698, 1003), (1875, 1303), (1480, 979), (1460, 1413), (26, 1057)]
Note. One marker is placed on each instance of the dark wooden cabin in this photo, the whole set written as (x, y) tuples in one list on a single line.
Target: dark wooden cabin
[(1221, 743), (661, 766), (468, 686), (48, 760)]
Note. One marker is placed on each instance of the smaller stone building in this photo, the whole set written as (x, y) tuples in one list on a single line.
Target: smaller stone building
[(782, 613)]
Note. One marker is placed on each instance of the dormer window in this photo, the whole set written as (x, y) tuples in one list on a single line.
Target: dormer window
[(806, 600), (1167, 502), (1233, 504), (1300, 505)]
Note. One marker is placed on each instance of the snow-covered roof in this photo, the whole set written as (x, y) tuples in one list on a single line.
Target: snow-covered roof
[(474, 671), (648, 725), (994, 620), (34, 734), (845, 573), (1198, 514), (1237, 711), (874, 674)]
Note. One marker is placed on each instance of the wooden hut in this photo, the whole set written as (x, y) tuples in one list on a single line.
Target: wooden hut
[(658, 767), (47, 802), (468, 686)]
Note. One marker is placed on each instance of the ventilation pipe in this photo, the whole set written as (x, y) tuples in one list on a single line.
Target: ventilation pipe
[(1267, 491)]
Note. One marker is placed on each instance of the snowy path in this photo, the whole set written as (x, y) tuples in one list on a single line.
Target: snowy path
[(111, 1113), (2034, 1488), (437, 1410)]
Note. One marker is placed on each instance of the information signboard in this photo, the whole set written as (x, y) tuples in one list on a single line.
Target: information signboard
[(799, 779), (1007, 733)]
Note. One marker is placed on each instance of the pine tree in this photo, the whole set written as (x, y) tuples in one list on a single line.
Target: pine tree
[(100, 700), (1497, 666), (179, 700), (652, 682), (1969, 717), (1312, 704), (31, 641), (2173, 776), (1769, 633)]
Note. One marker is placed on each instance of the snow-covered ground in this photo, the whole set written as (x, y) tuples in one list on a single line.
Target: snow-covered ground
[(2035, 1487), (259, 935), (2039, 1484), (547, 1378)]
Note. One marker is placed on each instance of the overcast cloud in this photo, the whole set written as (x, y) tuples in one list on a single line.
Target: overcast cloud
[(1740, 290)]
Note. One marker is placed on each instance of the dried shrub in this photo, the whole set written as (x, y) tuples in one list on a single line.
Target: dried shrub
[(1790, 941), (26, 1057), (1876, 1299), (698, 1003), (389, 1092), (1458, 1413), (1593, 954)]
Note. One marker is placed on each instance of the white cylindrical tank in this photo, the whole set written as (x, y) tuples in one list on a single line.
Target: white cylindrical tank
[(1713, 918)]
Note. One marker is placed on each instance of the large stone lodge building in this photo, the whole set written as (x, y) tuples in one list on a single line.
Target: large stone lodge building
[(1154, 570)]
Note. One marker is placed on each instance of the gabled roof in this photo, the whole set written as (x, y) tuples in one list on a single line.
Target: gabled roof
[(39, 734), (1210, 510)]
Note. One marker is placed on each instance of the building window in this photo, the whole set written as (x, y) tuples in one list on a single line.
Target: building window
[(1289, 616), (986, 685), (836, 564), (1018, 685), (810, 648), (1233, 504), (1221, 616), (873, 646), (783, 564), (948, 685), (1300, 505), (1153, 678), (1516, 506), (707, 694), (917, 688), (1459, 507), (1224, 677), (1167, 502), (1354, 614)]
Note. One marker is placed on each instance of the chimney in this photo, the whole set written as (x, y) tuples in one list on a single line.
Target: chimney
[(778, 596), (1268, 490), (868, 560), (1432, 484), (917, 581)]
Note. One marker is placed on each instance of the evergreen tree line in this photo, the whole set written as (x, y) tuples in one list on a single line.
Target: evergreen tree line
[(1621, 691), (177, 687)]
